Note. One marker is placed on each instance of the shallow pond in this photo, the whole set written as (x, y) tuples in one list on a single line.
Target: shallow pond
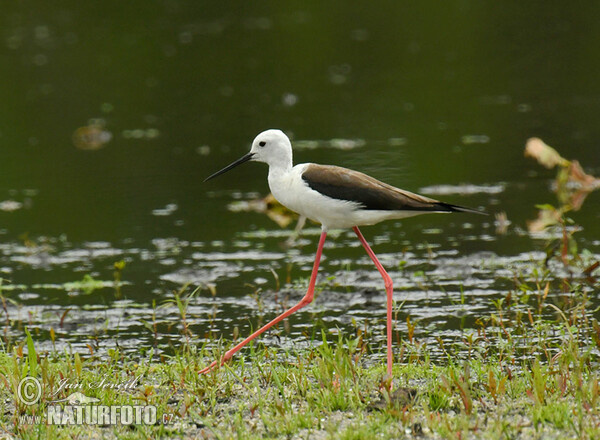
[(111, 121)]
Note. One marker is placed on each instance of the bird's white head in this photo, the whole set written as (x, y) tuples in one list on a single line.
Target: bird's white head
[(272, 147)]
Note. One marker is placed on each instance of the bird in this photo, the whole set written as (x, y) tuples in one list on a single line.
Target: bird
[(337, 198)]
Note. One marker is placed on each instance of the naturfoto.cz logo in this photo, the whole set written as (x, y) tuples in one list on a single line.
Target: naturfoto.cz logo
[(79, 409)]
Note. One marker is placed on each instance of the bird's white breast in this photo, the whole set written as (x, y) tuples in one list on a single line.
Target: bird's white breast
[(293, 192)]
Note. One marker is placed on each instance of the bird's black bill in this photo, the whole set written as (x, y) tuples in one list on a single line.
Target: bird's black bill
[(240, 161)]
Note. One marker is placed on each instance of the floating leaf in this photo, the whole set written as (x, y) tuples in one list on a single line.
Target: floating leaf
[(586, 183), (87, 285), (91, 137), (576, 174), (547, 217), (572, 184), (267, 205), (544, 154), (502, 223)]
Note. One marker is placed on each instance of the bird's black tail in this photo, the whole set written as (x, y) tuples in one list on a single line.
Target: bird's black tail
[(447, 207)]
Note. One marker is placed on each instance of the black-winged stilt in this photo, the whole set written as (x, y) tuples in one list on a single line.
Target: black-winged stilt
[(337, 198)]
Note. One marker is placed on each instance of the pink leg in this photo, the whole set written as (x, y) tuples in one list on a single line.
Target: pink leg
[(389, 288), (303, 302)]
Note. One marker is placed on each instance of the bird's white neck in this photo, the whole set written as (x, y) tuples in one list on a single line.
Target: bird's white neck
[(280, 165)]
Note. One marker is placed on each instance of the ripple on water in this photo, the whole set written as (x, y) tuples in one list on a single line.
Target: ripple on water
[(463, 189), (202, 276), (240, 255), (438, 286)]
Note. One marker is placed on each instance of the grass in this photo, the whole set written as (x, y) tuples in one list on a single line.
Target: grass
[(507, 380)]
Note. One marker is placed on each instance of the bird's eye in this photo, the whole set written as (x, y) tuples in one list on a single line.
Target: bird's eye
[(262, 143)]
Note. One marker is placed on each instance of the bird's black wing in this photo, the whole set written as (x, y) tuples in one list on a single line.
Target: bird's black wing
[(344, 184)]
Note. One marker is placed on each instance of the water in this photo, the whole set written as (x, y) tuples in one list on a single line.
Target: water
[(112, 118)]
